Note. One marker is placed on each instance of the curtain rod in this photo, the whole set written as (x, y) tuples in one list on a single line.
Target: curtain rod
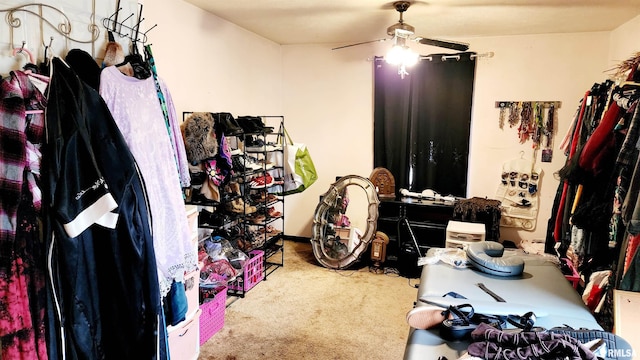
[(488, 54), (457, 57)]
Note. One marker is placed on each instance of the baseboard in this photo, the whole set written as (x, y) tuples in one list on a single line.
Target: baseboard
[(296, 238)]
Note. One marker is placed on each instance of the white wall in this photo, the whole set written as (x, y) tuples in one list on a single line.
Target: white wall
[(213, 65), (556, 67), (328, 106), (624, 42)]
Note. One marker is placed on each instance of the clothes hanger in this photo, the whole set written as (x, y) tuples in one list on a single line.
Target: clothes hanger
[(37, 76), (48, 56), (24, 51), (30, 66)]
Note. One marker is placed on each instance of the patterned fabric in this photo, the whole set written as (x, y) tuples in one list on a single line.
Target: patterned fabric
[(490, 343), (20, 138), (134, 106), (23, 293), (22, 290)]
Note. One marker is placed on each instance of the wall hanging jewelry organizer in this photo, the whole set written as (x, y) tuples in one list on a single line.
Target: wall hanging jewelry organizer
[(535, 121)]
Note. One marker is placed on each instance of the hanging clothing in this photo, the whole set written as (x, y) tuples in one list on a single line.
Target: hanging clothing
[(22, 270), (105, 296), (136, 110), (558, 225), (21, 136)]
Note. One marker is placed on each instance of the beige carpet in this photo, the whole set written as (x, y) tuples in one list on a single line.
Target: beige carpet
[(306, 311)]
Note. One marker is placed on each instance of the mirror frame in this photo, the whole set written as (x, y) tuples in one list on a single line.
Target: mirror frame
[(327, 203)]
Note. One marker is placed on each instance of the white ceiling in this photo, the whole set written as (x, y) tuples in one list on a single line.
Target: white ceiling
[(349, 21)]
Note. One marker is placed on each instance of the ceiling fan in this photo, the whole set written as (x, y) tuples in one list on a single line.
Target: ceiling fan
[(401, 31)]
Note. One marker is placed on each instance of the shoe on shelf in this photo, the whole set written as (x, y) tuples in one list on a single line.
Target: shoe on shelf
[(272, 212), (208, 218), (248, 125), (198, 178), (261, 181), (252, 163), (227, 124), (251, 141), (233, 188), (267, 165), (250, 209), (259, 123), (271, 198), (257, 218), (273, 146), (259, 197), (237, 164)]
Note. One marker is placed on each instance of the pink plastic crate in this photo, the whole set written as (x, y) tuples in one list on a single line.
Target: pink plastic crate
[(212, 316), (253, 272)]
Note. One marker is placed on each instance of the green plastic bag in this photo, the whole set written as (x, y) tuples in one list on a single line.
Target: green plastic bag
[(299, 170)]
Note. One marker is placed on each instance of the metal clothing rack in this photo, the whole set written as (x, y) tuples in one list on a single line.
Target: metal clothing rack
[(132, 32), (63, 28)]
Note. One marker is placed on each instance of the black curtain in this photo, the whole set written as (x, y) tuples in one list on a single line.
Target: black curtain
[(422, 122)]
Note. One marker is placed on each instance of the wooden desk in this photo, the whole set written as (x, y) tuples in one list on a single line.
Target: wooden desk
[(428, 219)]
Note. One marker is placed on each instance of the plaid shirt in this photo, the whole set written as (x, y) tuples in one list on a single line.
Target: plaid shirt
[(20, 137)]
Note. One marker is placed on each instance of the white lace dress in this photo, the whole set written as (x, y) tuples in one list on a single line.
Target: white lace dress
[(135, 107)]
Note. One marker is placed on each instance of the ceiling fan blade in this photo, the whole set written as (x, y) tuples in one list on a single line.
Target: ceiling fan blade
[(443, 44), (360, 43)]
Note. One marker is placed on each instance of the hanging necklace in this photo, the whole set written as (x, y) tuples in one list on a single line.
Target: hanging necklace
[(548, 126), (503, 114), (525, 121), (513, 114), (536, 126)]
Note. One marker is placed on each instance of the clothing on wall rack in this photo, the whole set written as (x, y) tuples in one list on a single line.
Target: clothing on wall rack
[(596, 204)]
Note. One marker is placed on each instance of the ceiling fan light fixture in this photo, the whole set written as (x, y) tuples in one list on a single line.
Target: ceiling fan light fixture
[(401, 55)]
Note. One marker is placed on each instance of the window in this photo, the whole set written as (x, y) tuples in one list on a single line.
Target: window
[(422, 122)]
